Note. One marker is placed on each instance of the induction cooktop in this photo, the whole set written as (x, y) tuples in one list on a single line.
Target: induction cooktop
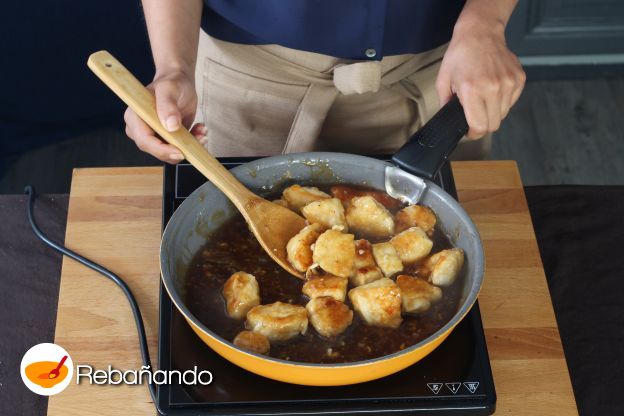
[(455, 379)]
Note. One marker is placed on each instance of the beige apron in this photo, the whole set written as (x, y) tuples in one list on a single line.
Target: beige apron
[(268, 99)]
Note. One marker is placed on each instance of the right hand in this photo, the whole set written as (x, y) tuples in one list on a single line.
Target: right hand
[(176, 103)]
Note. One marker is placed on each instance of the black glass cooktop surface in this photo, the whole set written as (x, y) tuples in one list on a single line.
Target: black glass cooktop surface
[(455, 379)]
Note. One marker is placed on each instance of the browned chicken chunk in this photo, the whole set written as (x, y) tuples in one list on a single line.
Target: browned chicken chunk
[(387, 259), (445, 266), (368, 218), (299, 196), (326, 285), (252, 341), (329, 316), (366, 269), (415, 216), (346, 193), (335, 253), (379, 303), (412, 245), (278, 321), (241, 293), (416, 294), (299, 248), (327, 212)]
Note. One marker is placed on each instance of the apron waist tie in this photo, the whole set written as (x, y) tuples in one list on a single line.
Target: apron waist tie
[(357, 78), (325, 77)]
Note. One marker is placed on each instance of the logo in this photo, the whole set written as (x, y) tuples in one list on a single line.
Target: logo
[(46, 369)]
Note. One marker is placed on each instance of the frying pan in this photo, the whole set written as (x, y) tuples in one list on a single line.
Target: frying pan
[(207, 208)]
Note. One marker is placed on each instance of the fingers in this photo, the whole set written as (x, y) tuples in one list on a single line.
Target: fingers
[(175, 104), (520, 77), (488, 102), (444, 86), (505, 103), (493, 105), (475, 110), (200, 130), (167, 94), (146, 140), (506, 95), (513, 84), (486, 76)]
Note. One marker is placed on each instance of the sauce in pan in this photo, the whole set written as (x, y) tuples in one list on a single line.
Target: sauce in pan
[(233, 248)]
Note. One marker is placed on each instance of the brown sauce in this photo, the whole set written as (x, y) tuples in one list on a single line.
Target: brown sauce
[(233, 248)]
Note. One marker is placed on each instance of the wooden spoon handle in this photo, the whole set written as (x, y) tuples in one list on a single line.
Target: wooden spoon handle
[(142, 101)]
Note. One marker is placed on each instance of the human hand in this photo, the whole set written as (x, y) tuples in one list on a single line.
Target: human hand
[(486, 76), (176, 102)]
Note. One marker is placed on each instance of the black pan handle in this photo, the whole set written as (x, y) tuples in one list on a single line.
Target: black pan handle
[(428, 149)]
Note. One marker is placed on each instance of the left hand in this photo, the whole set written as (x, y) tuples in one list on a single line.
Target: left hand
[(486, 76)]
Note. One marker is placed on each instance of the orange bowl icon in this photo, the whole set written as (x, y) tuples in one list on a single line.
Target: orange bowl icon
[(46, 369), (41, 373)]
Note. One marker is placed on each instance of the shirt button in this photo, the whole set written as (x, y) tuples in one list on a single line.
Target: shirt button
[(370, 53)]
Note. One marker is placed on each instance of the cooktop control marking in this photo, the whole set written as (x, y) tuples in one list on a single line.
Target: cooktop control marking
[(435, 387), (453, 387), (471, 386)]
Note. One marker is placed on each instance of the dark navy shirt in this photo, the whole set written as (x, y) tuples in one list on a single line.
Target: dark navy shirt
[(351, 29)]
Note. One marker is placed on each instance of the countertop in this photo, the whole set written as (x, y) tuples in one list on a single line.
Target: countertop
[(114, 218)]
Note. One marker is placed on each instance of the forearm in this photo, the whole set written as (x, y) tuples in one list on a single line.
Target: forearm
[(493, 13), (173, 28)]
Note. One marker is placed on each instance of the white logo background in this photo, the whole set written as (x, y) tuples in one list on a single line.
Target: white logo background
[(46, 352)]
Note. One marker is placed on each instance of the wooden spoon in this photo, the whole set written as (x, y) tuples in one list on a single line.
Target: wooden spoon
[(272, 224)]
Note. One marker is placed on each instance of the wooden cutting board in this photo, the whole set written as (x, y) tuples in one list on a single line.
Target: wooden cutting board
[(115, 219)]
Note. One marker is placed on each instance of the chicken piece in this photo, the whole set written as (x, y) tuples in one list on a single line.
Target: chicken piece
[(412, 245), (315, 271), (299, 248), (327, 285), (387, 258), (278, 321), (252, 341), (379, 303), (326, 212), (368, 218), (299, 196), (445, 266), (366, 269), (415, 216), (329, 316), (347, 193), (416, 294), (241, 293), (335, 253)]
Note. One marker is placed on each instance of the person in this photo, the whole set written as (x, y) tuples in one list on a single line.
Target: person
[(360, 76)]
